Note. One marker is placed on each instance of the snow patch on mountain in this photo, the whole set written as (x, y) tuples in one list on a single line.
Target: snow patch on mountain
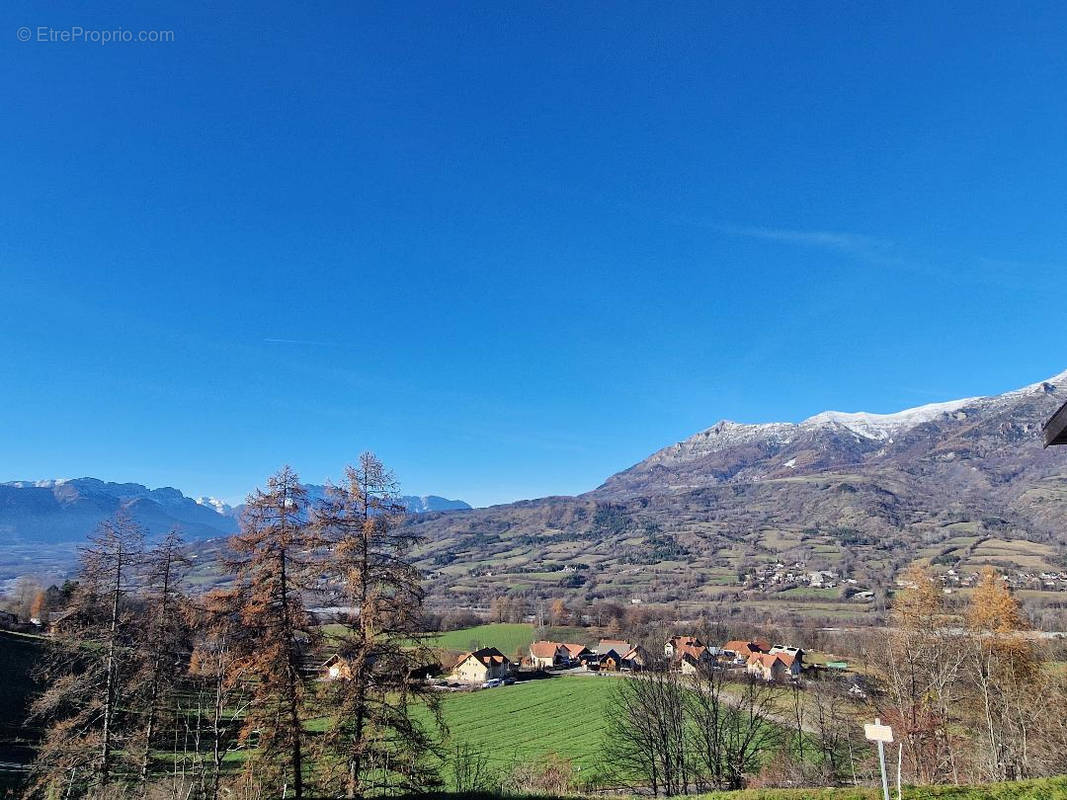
[(213, 502), (884, 426), (867, 431)]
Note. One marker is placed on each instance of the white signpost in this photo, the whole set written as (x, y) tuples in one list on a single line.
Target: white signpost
[(883, 735)]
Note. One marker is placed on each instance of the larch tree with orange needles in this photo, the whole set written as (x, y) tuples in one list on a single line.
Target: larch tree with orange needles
[(270, 570), (375, 745)]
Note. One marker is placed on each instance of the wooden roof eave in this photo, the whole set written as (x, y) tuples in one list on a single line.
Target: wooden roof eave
[(1055, 429)]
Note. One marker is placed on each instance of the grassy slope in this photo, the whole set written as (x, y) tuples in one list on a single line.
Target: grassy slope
[(530, 720), (507, 637)]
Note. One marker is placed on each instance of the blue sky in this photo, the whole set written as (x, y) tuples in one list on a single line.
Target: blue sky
[(511, 247)]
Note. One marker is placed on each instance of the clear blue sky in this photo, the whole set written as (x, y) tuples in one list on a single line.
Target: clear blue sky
[(512, 248)]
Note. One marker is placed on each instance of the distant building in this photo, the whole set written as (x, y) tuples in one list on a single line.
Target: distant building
[(741, 650), (618, 645), (481, 665), (579, 654), (672, 648), (336, 668), (636, 659), (689, 665), (793, 652), (61, 621), (610, 661), (779, 667), (547, 655)]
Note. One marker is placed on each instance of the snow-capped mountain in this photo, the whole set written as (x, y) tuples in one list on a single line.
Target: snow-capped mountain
[(66, 510), (732, 452), (413, 503), (52, 511), (966, 482)]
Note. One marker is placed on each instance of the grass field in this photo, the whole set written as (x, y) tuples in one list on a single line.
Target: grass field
[(506, 637), (526, 722)]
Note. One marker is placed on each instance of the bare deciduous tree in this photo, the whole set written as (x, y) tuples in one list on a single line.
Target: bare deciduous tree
[(647, 745)]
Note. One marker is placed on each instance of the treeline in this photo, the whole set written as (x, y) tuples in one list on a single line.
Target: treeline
[(154, 692), (971, 692), (672, 735)]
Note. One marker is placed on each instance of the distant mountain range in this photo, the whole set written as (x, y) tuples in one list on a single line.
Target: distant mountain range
[(954, 484), (59, 511)]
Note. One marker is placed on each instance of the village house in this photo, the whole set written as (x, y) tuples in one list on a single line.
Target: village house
[(636, 659), (480, 666), (671, 648), (688, 664), (61, 621), (687, 647), (548, 655), (794, 652), (610, 661), (579, 654), (336, 668), (618, 645), (778, 667), (740, 651)]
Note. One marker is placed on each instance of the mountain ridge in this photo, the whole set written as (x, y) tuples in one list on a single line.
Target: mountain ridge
[(58, 510), (967, 482)]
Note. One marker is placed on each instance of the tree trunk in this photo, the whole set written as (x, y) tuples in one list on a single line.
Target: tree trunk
[(110, 673)]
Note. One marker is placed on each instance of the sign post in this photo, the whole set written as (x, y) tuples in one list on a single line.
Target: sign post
[(883, 735)]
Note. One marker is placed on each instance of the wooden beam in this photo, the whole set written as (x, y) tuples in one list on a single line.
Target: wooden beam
[(1055, 429)]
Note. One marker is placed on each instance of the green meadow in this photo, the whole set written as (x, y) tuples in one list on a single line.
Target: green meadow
[(531, 720)]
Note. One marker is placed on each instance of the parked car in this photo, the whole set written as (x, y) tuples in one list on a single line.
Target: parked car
[(492, 683)]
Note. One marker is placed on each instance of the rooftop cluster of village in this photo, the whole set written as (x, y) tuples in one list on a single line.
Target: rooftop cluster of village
[(1040, 581), (779, 575), (488, 667)]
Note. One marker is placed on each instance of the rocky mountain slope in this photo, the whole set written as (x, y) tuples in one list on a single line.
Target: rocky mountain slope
[(962, 483)]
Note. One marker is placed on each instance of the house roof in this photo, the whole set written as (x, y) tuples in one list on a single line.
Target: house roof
[(686, 641), (739, 646), (637, 651), (486, 655), (576, 649), (618, 645), (762, 644), (768, 659), (61, 616), (693, 651), (544, 649)]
